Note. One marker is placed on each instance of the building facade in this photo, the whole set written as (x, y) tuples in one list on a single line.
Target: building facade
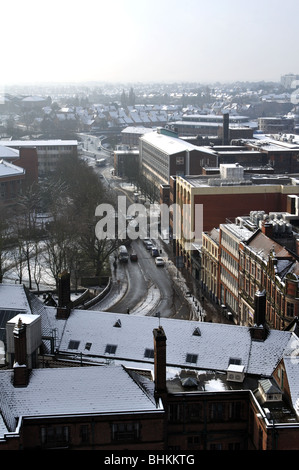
[(49, 152)]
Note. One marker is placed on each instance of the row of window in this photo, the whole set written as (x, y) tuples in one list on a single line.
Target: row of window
[(60, 436), (215, 412)]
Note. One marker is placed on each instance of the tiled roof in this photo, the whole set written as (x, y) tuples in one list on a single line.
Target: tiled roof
[(212, 349), (75, 390)]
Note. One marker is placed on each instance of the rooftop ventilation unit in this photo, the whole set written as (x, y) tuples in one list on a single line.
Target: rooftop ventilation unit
[(235, 373)]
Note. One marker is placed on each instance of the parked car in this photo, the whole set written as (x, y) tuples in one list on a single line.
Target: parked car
[(159, 261), (155, 251), (133, 257), (148, 245)]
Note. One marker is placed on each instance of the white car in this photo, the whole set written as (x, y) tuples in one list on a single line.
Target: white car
[(159, 261)]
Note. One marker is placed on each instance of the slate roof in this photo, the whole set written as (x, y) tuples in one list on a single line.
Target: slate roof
[(212, 349), (61, 391)]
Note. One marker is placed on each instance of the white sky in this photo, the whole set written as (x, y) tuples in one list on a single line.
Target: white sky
[(148, 40)]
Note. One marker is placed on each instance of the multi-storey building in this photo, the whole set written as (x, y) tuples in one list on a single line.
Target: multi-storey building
[(267, 265), (163, 155), (229, 241), (210, 264), (49, 152), (12, 179), (255, 256), (227, 197), (221, 387)]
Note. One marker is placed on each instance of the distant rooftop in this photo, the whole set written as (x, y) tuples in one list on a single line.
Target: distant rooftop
[(37, 143), (8, 169)]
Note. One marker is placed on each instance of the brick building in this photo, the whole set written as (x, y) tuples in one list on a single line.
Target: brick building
[(162, 155), (208, 387), (25, 158), (12, 180), (226, 197), (48, 152)]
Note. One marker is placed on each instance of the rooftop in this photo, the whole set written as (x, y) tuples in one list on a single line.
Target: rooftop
[(37, 143), (104, 337), (171, 145), (6, 152), (8, 169), (61, 391)]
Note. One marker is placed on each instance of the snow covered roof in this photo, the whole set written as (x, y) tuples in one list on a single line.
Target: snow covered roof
[(37, 143), (6, 152), (8, 169), (94, 333), (136, 130), (71, 391), (167, 144), (13, 297), (291, 363)]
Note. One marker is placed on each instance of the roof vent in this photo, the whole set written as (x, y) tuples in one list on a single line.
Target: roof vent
[(197, 332), (269, 391), (189, 382), (117, 324), (235, 373)]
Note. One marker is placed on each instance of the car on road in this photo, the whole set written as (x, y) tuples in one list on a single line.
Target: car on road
[(159, 261), (148, 245), (133, 257), (155, 251)]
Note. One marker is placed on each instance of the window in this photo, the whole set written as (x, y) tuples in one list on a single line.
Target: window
[(192, 358), (84, 433), (110, 349), (216, 412), (88, 346), (194, 412), (57, 436), (149, 353), (290, 309), (180, 160), (125, 431), (73, 344), (235, 360), (216, 446), (234, 410), (174, 412), (193, 440)]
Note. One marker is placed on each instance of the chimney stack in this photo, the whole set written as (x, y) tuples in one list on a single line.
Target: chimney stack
[(160, 361), (21, 372), (64, 296), (259, 331), (267, 228), (225, 131)]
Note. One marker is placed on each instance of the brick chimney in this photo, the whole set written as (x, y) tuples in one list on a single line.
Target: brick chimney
[(267, 228), (64, 296), (21, 372), (160, 362), (259, 331)]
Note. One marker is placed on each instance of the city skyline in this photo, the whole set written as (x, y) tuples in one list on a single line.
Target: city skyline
[(148, 41)]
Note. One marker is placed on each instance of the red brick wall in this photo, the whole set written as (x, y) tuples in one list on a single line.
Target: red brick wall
[(29, 161), (219, 207)]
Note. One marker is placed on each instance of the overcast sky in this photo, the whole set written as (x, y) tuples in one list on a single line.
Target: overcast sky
[(148, 40)]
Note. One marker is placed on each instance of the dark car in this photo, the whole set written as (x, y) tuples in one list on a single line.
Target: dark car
[(155, 251), (133, 257)]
